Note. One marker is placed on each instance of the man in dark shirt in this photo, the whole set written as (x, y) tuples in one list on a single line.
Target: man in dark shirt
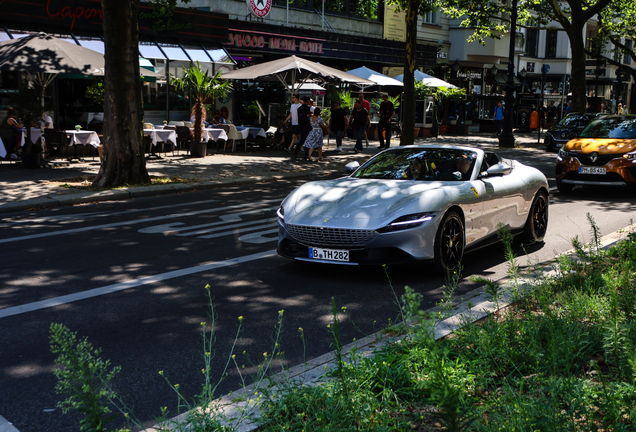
[(304, 112), (338, 124), (386, 114)]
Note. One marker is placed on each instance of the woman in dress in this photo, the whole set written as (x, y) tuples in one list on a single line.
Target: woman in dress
[(314, 139)]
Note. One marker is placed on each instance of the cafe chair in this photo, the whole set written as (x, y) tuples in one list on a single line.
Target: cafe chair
[(56, 139), (148, 126), (177, 123), (184, 135), (234, 135)]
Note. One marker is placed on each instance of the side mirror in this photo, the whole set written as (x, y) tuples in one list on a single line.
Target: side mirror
[(352, 166), (498, 170)]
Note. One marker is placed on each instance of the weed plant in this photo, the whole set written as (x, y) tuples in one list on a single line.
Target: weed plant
[(563, 358)]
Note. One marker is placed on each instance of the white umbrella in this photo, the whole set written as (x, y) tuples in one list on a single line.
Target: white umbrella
[(292, 69), (427, 79), (376, 77)]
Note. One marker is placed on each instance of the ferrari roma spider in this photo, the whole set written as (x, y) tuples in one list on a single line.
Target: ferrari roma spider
[(413, 203)]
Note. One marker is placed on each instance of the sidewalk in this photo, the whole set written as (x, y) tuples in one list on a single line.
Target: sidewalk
[(68, 184)]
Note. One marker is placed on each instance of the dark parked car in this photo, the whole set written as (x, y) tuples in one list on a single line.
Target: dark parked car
[(568, 128)]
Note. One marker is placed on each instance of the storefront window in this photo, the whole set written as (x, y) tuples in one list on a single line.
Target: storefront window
[(628, 58)]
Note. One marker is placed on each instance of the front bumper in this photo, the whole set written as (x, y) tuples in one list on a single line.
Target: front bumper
[(620, 172), (398, 247)]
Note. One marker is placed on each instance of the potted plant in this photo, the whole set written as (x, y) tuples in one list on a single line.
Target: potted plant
[(202, 86), (444, 95), (251, 113)]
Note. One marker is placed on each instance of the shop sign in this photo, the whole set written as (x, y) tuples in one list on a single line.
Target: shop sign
[(469, 75), (259, 8), (274, 43)]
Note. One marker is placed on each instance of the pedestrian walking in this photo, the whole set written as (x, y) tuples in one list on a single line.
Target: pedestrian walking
[(338, 123), (293, 116), (387, 111), (498, 117), (304, 112), (314, 138), (367, 106), (359, 121)]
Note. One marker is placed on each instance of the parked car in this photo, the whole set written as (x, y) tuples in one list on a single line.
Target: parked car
[(604, 154), (569, 127), (413, 203)]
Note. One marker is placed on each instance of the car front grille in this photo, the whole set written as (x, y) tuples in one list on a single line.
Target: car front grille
[(321, 236), (584, 159)]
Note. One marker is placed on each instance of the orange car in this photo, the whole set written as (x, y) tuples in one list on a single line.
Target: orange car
[(604, 154)]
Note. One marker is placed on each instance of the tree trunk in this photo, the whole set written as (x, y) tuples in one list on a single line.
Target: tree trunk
[(408, 104), (123, 157), (579, 81)]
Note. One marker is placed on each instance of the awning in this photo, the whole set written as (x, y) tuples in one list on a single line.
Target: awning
[(151, 50), (502, 78)]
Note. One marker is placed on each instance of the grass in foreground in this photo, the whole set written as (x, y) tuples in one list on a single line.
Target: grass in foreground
[(561, 359)]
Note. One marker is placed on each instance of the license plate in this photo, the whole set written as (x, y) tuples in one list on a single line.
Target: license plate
[(329, 254), (593, 170)]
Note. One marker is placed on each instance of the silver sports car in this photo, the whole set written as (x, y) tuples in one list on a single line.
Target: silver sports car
[(413, 203)]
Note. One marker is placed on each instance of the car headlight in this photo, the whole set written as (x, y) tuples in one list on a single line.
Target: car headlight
[(408, 221), (630, 155), (281, 213), (563, 153)]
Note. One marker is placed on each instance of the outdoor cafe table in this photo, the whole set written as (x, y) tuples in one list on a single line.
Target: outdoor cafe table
[(254, 131), (82, 137), (213, 134), (36, 133), (161, 135), (3, 150)]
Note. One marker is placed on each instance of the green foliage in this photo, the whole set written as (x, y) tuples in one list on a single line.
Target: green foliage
[(344, 97), (84, 378), (251, 110), (95, 91)]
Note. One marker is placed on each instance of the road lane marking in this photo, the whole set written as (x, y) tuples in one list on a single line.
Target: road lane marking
[(95, 292), (238, 231), (259, 237), (132, 222), (229, 228), (104, 214)]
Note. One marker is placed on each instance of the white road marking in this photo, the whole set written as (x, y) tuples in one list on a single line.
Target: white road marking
[(258, 238), (104, 214), (5, 426), (225, 227), (95, 292), (238, 231), (131, 222)]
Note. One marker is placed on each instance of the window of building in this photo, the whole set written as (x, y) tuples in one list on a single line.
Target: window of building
[(551, 43), (628, 58), (530, 67), (532, 42), (431, 17)]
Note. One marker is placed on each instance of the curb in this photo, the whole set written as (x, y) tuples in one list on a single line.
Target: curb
[(241, 409)]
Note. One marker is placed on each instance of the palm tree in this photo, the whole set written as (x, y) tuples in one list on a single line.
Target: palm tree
[(202, 86)]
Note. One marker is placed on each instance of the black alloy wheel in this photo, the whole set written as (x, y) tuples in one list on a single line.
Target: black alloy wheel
[(537, 223), (449, 243)]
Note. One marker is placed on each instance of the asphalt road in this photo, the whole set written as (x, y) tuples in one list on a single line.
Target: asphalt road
[(131, 275)]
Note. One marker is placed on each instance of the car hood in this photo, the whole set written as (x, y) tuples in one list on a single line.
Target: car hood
[(603, 146), (365, 201)]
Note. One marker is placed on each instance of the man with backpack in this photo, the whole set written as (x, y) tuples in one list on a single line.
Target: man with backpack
[(498, 117)]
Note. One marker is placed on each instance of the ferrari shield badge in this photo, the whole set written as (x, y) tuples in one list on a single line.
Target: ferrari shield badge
[(475, 192)]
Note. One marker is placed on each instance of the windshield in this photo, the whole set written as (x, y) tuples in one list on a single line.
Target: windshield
[(574, 121), (435, 164), (615, 127)]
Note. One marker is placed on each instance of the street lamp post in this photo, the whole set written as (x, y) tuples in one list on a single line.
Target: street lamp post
[(620, 75), (507, 139)]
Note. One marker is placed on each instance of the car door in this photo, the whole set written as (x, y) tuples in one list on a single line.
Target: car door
[(503, 200)]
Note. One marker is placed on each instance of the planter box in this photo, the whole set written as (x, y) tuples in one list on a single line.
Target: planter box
[(198, 149), (444, 129), (425, 132)]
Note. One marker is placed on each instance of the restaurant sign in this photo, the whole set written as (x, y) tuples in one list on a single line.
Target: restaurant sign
[(80, 16), (250, 40), (259, 8), (469, 75)]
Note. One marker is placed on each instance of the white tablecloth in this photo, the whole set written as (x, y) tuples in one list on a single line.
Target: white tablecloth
[(161, 135), (254, 131), (36, 133), (3, 150), (83, 137), (214, 134)]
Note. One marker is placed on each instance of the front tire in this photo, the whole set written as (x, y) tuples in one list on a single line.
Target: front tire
[(537, 223), (450, 241)]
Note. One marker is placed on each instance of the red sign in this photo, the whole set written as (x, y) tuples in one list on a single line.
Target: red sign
[(249, 40), (260, 8)]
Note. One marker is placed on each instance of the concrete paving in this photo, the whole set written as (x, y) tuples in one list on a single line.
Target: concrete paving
[(69, 183)]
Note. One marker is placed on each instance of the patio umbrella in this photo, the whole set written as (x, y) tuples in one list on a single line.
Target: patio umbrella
[(427, 79), (376, 77), (43, 53), (290, 70)]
